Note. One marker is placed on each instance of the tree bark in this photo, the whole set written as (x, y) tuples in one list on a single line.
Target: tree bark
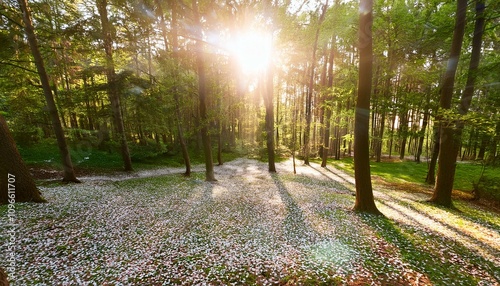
[(492, 157), (16, 183), (175, 55), (403, 128), (220, 143), (449, 145), (477, 40), (328, 109), (423, 130), (268, 101), (378, 150), (364, 193), (113, 93), (3, 278), (69, 173), (326, 137), (310, 90), (202, 95), (431, 172), (421, 138)]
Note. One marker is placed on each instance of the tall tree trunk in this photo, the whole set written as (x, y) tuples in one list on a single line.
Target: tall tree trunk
[(378, 151), (338, 131), (482, 149), (492, 157), (202, 95), (310, 89), (431, 172), (220, 141), (474, 60), (391, 140), (294, 130), (423, 130), (268, 101), (449, 145), (422, 137), (175, 55), (69, 173), (326, 137), (113, 92), (308, 111), (364, 193), (278, 120), (16, 183), (403, 127), (328, 109)]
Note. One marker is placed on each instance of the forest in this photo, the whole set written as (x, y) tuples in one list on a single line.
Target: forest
[(285, 142)]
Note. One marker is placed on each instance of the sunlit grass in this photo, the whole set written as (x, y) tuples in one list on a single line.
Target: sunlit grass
[(403, 172), (88, 158)]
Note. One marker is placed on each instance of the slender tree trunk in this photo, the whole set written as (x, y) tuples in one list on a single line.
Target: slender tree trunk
[(328, 109), (431, 172), (364, 193), (482, 148), (113, 93), (308, 111), (16, 183), (294, 131), (474, 61), (202, 95), (175, 52), (492, 157), (422, 137), (338, 131), (449, 145), (425, 121), (310, 90), (278, 123), (69, 173), (381, 137), (403, 127), (391, 140), (468, 93), (220, 143), (268, 101), (326, 137)]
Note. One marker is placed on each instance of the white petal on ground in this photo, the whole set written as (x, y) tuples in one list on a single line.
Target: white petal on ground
[(249, 227)]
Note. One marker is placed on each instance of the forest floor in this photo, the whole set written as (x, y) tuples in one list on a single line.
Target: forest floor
[(157, 227)]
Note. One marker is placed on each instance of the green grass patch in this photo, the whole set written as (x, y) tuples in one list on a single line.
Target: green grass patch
[(397, 171), (45, 154)]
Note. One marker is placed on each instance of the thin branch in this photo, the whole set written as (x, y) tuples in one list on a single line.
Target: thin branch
[(9, 18), (17, 66), (19, 61)]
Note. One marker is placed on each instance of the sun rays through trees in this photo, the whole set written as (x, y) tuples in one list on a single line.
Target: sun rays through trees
[(406, 92)]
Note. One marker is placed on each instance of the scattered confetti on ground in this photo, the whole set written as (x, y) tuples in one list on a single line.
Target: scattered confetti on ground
[(250, 227)]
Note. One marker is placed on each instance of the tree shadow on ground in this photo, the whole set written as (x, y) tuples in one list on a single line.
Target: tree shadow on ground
[(443, 224), (465, 247), (442, 259), (338, 176), (296, 228), (446, 223)]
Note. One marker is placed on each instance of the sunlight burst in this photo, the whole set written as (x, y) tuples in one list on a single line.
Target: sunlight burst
[(252, 50)]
